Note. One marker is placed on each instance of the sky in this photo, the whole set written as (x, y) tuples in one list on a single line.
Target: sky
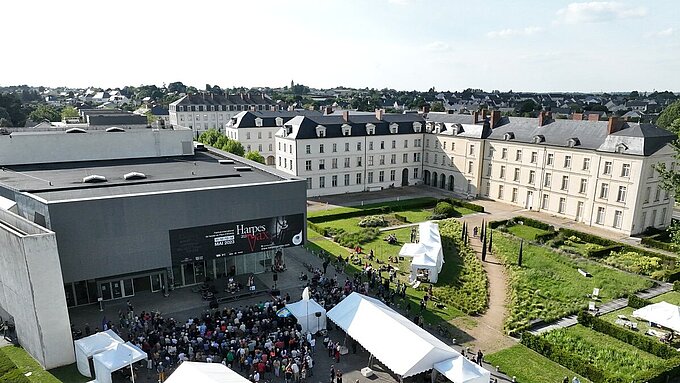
[(527, 45)]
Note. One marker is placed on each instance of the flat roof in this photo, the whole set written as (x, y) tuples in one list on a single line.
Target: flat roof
[(64, 181)]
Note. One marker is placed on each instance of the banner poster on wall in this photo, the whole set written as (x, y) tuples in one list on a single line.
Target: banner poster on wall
[(235, 238)]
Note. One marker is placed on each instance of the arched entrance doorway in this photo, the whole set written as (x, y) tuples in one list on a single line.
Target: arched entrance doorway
[(435, 179), (426, 177), (442, 178), (451, 183), (270, 160), (404, 177)]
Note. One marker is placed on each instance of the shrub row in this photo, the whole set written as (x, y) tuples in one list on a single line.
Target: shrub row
[(650, 345), (655, 243), (401, 218), (571, 361), (497, 224), (319, 229), (543, 238), (356, 238), (406, 205), (637, 303), (603, 251), (533, 223), (465, 204), (587, 237)]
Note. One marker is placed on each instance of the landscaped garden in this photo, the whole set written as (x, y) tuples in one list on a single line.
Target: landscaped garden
[(16, 364), (529, 366)]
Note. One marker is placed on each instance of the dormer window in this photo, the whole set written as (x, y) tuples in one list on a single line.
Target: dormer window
[(258, 122), (438, 127), (573, 142), (456, 129), (370, 129), (320, 131), (417, 126), (346, 130), (279, 121), (539, 138), (289, 130), (394, 128), (429, 126), (509, 136), (233, 121), (620, 148)]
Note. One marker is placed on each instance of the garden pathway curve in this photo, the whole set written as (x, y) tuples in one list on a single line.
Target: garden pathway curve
[(488, 330)]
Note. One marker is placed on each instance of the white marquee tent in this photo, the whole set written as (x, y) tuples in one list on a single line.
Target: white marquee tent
[(119, 356), (398, 343), (91, 345), (662, 313), (305, 312), (427, 253), (196, 372), (462, 370)]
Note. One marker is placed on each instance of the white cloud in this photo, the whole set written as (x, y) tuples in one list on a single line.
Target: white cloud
[(401, 2), (437, 46), (664, 33), (509, 32), (598, 11)]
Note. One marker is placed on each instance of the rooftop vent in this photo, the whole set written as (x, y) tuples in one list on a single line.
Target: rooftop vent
[(243, 168), (225, 162), (134, 176), (94, 179), (75, 130), (115, 129)]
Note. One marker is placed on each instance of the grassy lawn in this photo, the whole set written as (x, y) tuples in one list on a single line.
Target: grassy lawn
[(614, 357), (529, 366), (672, 297), (527, 232), (548, 285), (25, 363), (388, 204)]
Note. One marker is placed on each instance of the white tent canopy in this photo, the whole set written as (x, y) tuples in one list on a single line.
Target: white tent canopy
[(115, 358), (91, 345), (662, 313), (195, 372), (398, 343), (305, 312), (427, 253), (461, 370)]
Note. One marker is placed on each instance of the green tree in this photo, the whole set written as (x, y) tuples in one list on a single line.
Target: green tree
[(234, 147), (255, 156), (5, 123), (437, 106), (671, 180), (669, 115), (69, 112), (209, 137), (45, 112), (150, 118), (222, 142)]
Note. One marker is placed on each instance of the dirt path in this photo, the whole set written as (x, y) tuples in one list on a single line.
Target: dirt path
[(487, 329)]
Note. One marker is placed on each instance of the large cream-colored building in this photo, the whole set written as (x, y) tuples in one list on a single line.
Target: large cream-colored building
[(600, 173)]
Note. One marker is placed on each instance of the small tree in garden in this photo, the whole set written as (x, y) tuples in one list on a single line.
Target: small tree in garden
[(484, 249), (519, 258), (490, 239)]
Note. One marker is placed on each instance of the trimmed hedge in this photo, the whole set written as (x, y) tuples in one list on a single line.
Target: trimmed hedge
[(543, 238), (496, 224), (650, 345), (467, 205), (603, 252), (571, 361), (587, 237), (637, 303), (401, 218), (652, 242), (321, 230), (533, 223), (375, 211)]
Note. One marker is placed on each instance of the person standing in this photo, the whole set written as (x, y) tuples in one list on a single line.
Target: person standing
[(480, 357), (338, 377), (332, 373)]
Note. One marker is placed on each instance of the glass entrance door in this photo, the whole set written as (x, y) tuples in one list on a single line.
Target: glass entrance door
[(117, 289)]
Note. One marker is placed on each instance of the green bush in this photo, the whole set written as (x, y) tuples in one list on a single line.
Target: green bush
[(655, 243), (602, 252), (637, 303), (357, 238), (467, 205), (533, 223), (676, 286), (587, 237), (321, 230), (650, 345), (634, 262), (569, 360), (373, 221), (543, 238), (401, 218), (496, 224), (444, 209)]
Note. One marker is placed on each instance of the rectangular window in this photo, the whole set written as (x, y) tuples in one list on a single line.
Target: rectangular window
[(625, 170), (346, 179), (320, 148), (607, 170), (334, 181), (416, 157), (514, 195), (586, 164), (322, 165), (504, 153), (347, 162), (584, 186), (309, 182), (247, 135), (322, 182), (381, 160), (621, 195), (393, 159), (489, 169), (472, 150), (359, 161), (534, 157), (657, 194), (358, 176), (502, 175), (545, 201), (618, 215), (334, 163), (599, 219), (347, 146), (370, 145), (563, 205), (663, 216), (415, 173), (516, 175), (500, 191), (393, 175), (565, 183), (487, 189), (405, 144), (404, 158), (518, 155), (551, 159), (335, 148), (470, 166), (381, 176), (370, 177), (382, 145), (308, 149), (370, 160), (648, 193), (436, 158), (359, 146), (427, 157), (604, 191), (532, 177), (548, 180), (308, 165), (567, 162), (394, 144)]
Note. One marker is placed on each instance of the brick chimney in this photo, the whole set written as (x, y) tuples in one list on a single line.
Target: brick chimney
[(345, 115), (379, 114), (475, 117), (327, 110), (483, 114), (614, 125), (543, 118), (593, 117), (577, 116), (495, 118)]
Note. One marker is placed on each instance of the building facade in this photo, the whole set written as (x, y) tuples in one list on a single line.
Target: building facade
[(204, 111)]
